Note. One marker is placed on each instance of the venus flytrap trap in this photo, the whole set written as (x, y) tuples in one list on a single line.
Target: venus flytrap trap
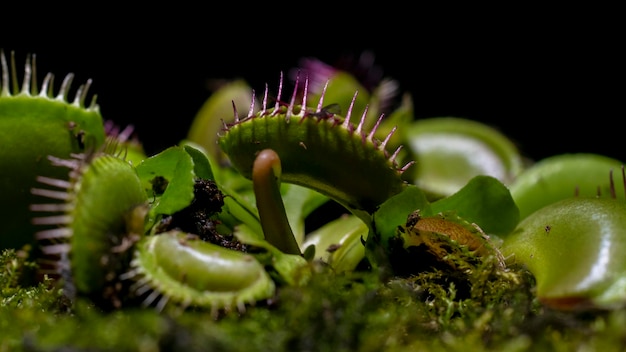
[(180, 268), (412, 235), (300, 201), (339, 243), (573, 244), (574, 249), (36, 122), (449, 151), (207, 124), (89, 224), (572, 230), (565, 176), (336, 151)]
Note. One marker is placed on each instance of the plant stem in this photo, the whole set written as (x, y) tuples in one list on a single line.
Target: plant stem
[(266, 173)]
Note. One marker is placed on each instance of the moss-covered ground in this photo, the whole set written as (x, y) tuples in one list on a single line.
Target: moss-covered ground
[(333, 312)]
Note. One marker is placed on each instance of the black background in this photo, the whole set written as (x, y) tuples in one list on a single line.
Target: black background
[(552, 81)]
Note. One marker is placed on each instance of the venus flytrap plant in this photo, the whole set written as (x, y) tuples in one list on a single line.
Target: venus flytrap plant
[(216, 224), (161, 242), (282, 132), (325, 140), (90, 222)]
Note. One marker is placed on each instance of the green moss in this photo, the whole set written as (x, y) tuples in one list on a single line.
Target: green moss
[(338, 312)]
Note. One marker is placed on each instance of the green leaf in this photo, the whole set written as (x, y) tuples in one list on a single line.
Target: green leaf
[(176, 166), (486, 201), (395, 210), (239, 205), (202, 166)]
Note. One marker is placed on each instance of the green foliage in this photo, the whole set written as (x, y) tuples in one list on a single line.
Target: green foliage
[(174, 169), (485, 201), (394, 213)]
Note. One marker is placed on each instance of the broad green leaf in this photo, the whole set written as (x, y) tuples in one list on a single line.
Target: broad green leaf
[(202, 166), (484, 201), (394, 212), (176, 167)]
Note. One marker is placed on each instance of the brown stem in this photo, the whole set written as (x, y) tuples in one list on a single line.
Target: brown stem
[(266, 173)]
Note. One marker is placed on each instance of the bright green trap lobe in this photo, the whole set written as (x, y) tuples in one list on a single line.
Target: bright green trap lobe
[(233, 270), (575, 248), (218, 107), (319, 154), (189, 270)]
